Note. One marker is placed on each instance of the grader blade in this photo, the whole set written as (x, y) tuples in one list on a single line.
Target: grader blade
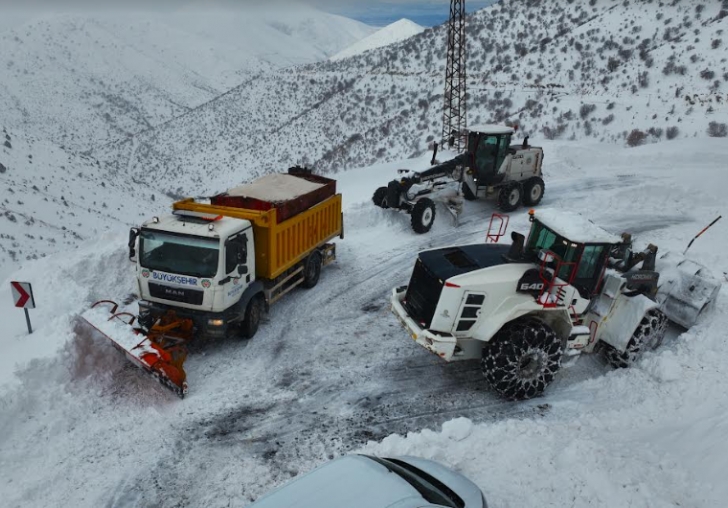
[(160, 352), (685, 288)]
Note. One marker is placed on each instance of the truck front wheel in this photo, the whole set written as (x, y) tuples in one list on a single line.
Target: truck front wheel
[(522, 358), (312, 270), (253, 314)]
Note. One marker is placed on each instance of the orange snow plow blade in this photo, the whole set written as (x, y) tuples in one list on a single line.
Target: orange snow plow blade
[(161, 351)]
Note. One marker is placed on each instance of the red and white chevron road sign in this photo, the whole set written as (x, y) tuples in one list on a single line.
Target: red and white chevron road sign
[(23, 295)]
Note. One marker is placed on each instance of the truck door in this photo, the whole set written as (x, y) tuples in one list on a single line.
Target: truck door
[(239, 265)]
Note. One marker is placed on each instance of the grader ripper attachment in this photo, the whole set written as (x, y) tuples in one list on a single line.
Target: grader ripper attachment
[(160, 351)]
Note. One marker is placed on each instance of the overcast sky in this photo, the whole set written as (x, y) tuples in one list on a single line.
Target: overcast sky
[(373, 12), (383, 12)]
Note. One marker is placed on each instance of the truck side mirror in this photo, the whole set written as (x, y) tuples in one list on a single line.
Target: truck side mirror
[(242, 269), (133, 234)]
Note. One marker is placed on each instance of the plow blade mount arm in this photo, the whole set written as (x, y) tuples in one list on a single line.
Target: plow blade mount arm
[(160, 352)]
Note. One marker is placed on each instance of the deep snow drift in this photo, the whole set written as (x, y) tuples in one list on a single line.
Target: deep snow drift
[(331, 369)]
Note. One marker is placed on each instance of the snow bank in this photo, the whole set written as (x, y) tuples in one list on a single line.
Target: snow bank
[(332, 367), (62, 286), (653, 435)]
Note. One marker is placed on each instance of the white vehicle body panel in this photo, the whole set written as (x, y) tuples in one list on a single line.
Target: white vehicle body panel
[(216, 297), (356, 481)]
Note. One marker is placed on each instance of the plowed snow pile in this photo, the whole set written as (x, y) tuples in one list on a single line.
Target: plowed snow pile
[(331, 371)]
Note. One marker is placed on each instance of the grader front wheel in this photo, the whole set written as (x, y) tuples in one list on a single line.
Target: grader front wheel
[(423, 215)]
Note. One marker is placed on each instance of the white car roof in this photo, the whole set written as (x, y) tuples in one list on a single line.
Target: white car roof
[(575, 227), (491, 129), (352, 481)]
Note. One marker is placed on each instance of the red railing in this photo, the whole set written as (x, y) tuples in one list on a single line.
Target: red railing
[(492, 237), (552, 294), (593, 327)]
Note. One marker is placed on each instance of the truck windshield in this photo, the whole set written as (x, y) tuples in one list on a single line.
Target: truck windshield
[(179, 254)]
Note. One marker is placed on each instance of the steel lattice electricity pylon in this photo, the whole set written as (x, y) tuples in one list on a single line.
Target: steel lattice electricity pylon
[(454, 121)]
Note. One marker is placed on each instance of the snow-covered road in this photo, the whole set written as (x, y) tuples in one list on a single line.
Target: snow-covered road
[(331, 369)]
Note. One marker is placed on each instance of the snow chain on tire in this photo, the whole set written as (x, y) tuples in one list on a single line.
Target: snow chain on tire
[(647, 336), (521, 359), (505, 195)]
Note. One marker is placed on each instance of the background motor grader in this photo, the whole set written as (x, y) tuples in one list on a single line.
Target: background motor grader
[(491, 165), (571, 288)]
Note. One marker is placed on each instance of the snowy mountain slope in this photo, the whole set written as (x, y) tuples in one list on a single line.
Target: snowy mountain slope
[(567, 70), (311, 386), (81, 80), (396, 32), (51, 200)]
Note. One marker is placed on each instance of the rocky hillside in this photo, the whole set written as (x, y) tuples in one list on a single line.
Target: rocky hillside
[(621, 72), (82, 80), (51, 200)]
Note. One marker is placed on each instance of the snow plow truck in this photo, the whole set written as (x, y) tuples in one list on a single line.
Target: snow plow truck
[(211, 269), (570, 288)]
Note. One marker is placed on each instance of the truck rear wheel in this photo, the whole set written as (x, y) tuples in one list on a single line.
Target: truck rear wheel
[(648, 336), (312, 270), (521, 359), (253, 314), (380, 197), (423, 215)]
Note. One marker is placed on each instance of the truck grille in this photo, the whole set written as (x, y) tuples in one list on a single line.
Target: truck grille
[(191, 296), (422, 296)]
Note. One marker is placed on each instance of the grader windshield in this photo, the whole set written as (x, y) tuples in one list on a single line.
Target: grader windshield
[(488, 151), (581, 264)]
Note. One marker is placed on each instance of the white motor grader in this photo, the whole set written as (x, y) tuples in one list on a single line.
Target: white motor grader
[(570, 288), (491, 165)]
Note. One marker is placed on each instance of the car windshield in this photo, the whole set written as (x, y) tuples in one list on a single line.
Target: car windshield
[(179, 254), (431, 489)]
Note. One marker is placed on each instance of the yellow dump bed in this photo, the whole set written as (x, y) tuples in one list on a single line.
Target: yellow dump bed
[(280, 246)]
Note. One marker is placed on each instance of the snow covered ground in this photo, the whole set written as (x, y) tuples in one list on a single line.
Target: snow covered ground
[(86, 78), (332, 372)]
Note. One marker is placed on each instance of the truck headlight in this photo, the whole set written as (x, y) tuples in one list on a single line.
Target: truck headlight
[(215, 322)]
